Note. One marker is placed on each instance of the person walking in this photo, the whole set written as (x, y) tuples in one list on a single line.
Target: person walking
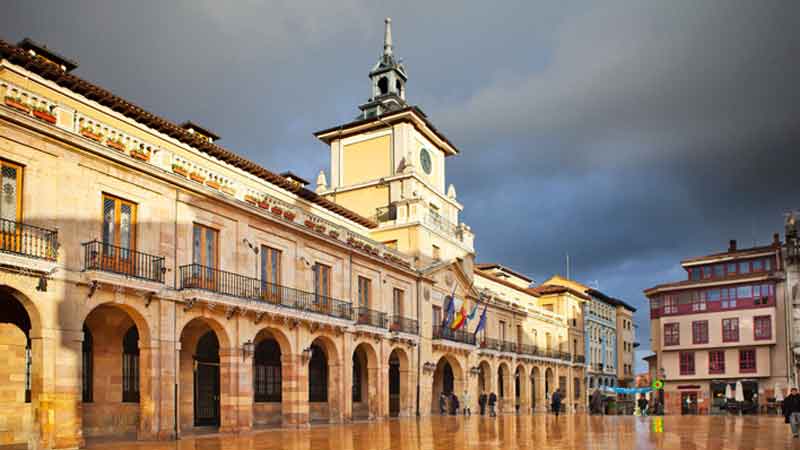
[(791, 411), (596, 402), (465, 397), (642, 403), (482, 402), (555, 402), (492, 402), (442, 404), (454, 404)]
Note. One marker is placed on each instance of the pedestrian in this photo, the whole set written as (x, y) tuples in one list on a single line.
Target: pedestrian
[(454, 404), (596, 402), (642, 404), (482, 402), (492, 402), (791, 411), (555, 402), (442, 404), (465, 397)]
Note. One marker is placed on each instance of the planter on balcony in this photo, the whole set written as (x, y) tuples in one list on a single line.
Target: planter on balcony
[(250, 199), (197, 177), (394, 327), (89, 133), (180, 170), (116, 145), (289, 215), (277, 210), (140, 155), (45, 115), (320, 228), (310, 224), (334, 234), (263, 204), (228, 190), (213, 184), (18, 105)]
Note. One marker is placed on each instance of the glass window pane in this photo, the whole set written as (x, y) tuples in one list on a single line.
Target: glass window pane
[(719, 271), (758, 265), (744, 267), (767, 264), (196, 254), (210, 247), (744, 292), (731, 268), (125, 228), (8, 199), (109, 221)]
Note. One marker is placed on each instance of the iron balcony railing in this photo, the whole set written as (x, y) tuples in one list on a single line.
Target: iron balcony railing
[(105, 257), (465, 337), (580, 359), (438, 221), (196, 276), (28, 240), (526, 349), (366, 316), (404, 324), (499, 345)]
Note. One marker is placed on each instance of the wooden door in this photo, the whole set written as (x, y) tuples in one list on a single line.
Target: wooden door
[(206, 399)]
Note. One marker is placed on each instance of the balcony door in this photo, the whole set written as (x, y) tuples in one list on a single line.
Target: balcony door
[(270, 274), (322, 287), (205, 253), (10, 207), (119, 235)]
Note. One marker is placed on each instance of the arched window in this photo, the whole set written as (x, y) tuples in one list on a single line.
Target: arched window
[(356, 378), (130, 366), (88, 371), (383, 85), (501, 382), (267, 373), (317, 375), (398, 85)]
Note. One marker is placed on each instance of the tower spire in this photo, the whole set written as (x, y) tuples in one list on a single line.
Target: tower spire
[(387, 37)]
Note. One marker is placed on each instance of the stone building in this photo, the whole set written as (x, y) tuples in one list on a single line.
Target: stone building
[(154, 284), (722, 329)]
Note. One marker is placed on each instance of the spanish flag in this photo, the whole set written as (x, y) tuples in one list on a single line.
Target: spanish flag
[(461, 317)]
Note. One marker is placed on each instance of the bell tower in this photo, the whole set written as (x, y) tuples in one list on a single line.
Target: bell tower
[(387, 79)]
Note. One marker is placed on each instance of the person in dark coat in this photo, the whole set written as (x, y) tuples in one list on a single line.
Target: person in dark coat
[(596, 402), (482, 399), (443, 404), (492, 402), (555, 402), (454, 404), (791, 411), (642, 403)]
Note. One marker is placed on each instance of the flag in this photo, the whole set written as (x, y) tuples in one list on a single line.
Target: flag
[(449, 308), (460, 317), (474, 311), (482, 322)]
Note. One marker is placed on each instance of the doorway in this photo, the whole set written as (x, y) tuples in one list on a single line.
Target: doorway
[(206, 381)]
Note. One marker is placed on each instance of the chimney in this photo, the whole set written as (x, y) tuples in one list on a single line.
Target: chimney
[(732, 245), (776, 239)]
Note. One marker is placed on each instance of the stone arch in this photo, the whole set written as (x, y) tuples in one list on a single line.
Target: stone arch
[(485, 377), (536, 389), (117, 372), (448, 378), (401, 400), (272, 364), (21, 369), (383, 86), (521, 381), (324, 362), (505, 388), (365, 382), (549, 382)]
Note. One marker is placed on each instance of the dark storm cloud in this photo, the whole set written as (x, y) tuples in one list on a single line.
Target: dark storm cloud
[(629, 134)]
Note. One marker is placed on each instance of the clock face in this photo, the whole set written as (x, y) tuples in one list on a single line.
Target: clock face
[(425, 160)]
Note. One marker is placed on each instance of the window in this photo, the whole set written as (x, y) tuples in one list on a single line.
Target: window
[(694, 273), (744, 267), (364, 291), (762, 327), (730, 330), (672, 334), (706, 271), (767, 264), (267, 372), (744, 292), (698, 302), (322, 283), (437, 252), (576, 387), (713, 295), (728, 298), (687, 363), (757, 265), (205, 247), (130, 366), (700, 332), (437, 316), (119, 225), (270, 273), (87, 390), (670, 304), (11, 193), (716, 361), (501, 326), (719, 271), (731, 268), (397, 302), (747, 360)]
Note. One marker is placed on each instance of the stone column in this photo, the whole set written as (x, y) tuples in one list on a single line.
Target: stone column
[(166, 381), (294, 390), (148, 390), (228, 375), (63, 403), (244, 387), (336, 392), (541, 397)]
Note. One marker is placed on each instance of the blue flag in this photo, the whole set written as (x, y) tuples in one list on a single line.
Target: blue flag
[(449, 311), (482, 322)]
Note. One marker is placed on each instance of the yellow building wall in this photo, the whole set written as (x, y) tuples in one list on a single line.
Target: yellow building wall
[(367, 160), (363, 201)]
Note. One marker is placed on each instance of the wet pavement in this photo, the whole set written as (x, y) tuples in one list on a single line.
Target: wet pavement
[(506, 432)]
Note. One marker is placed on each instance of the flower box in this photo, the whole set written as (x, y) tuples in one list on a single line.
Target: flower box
[(87, 132), (228, 190), (140, 155), (197, 177), (394, 326), (45, 115), (320, 228), (212, 184), (16, 104), (277, 210), (250, 199), (334, 234), (117, 145), (289, 215), (180, 170), (263, 205), (310, 224)]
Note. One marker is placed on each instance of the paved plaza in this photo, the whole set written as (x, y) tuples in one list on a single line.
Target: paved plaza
[(507, 432)]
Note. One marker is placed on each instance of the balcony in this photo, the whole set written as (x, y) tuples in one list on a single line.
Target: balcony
[(580, 359), (102, 257), (195, 276), (403, 325), (437, 221), (27, 240), (499, 345), (366, 316), (525, 349), (446, 333)]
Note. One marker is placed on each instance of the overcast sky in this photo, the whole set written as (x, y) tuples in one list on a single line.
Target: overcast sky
[(629, 134)]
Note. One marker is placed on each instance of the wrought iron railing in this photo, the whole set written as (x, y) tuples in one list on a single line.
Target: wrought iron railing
[(526, 349), (499, 345), (580, 359), (28, 240), (196, 276), (404, 324), (465, 337), (438, 221), (105, 257), (366, 316), (386, 213)]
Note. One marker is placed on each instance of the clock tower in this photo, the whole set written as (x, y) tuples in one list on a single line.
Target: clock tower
[(389, 165)]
